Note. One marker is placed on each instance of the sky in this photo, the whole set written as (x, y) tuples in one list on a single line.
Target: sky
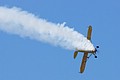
[(29, 59)]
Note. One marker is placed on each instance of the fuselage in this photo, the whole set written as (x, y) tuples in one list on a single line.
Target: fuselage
[(93, 51)]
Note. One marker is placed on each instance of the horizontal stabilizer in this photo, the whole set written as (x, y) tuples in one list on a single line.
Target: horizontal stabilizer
[(75, 54)]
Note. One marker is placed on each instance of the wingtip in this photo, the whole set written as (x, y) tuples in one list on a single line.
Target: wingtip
[(80, 72), (90, 26)]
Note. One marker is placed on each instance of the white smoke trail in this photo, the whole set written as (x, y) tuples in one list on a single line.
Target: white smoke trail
[(15, 21)]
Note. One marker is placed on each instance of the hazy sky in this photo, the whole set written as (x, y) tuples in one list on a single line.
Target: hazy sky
[(28, 59)]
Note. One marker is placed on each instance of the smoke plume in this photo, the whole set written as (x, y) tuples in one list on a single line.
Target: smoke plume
[(16, 21)]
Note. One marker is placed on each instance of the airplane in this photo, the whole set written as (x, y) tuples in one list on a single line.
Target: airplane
[(85, 56)]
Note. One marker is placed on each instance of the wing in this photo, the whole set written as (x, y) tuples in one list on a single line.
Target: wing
[(84, 60), (89, 33)]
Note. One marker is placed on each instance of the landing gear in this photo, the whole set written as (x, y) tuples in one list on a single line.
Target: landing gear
[(95, 56), (95, 51), (97, 46), (91, 55)]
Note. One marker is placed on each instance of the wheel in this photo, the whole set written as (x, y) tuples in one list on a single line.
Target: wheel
[(97, 46), (95, 56)]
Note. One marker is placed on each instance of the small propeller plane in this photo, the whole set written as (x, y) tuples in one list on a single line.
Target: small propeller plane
[(85, 56)]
